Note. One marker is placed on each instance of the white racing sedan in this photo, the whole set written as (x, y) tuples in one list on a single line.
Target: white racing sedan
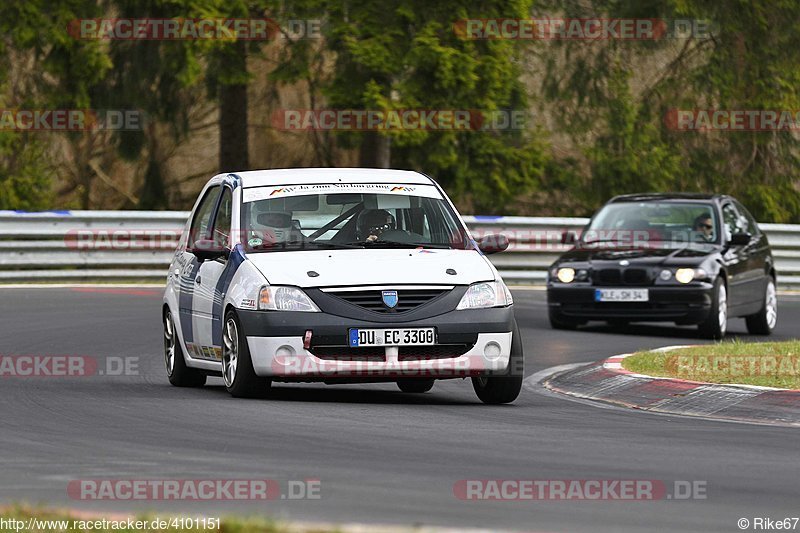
[(338, 276)]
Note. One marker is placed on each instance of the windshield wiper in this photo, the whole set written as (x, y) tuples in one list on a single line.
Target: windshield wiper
[(604, 241), (396, 244), (300, 245)]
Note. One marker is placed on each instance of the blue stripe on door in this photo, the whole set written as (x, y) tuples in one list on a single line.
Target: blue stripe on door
[(234, 261), (186, 299)]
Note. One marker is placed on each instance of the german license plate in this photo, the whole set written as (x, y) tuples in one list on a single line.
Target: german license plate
[(392, 337), (621, 295)]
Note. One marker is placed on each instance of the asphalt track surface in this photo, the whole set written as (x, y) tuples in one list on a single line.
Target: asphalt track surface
[(381, 456)]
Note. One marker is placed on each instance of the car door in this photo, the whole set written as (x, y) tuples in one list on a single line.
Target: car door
[(735, 258), (208, 296), (199, 228), (759, 258)]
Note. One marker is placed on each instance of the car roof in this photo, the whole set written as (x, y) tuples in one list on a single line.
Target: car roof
[(302, 176), (666, 196)]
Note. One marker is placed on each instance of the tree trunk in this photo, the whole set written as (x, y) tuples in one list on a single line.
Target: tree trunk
[(233, 138), (376, 151)]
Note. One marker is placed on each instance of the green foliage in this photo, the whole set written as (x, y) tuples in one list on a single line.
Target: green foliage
[(60, 73), (607, 98), (630, 155), (24, 177), (751, 61), (405, 54)]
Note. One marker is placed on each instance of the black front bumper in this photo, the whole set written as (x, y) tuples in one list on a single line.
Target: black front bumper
[(454, 327), (684, 305)]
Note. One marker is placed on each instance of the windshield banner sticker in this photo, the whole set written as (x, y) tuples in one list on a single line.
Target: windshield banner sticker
[(262, 193)]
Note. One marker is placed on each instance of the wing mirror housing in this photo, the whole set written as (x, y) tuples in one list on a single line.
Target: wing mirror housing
[(741, 239), (208, 250), (492, 244), (569, 237)]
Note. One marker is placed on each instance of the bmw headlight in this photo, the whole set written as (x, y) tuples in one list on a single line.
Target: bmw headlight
[(486, 294), (686, 275), (565, 275), (281, 298)]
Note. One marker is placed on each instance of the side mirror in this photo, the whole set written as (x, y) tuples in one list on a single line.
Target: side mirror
[(492, 244), (208, 250), (568, 237), (741, 239)]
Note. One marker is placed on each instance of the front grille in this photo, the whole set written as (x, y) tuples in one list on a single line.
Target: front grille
[(407, 299), (617, 276), (346, 353), (436, 351), (609, 276), (635, 276)]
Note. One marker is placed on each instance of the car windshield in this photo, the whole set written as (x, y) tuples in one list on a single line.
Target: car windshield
[(329, 216), (646, 224)]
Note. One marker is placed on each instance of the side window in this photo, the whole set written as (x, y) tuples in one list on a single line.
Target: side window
[(731, 220), (222, 224), (444, 229), (747, 219), (201, 223)]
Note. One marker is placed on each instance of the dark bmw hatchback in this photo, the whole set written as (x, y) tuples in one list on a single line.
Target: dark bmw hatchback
[(684, 258)]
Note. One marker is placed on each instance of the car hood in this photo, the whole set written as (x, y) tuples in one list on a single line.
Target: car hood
[(644, 256), (372, 267)]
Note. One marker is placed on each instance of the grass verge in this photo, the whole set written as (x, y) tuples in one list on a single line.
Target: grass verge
[(767, 364)]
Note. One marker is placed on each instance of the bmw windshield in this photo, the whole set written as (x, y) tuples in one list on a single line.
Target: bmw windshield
[(330, 216), (647, 224)]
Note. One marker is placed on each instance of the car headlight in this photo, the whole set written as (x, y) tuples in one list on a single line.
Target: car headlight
[(565, 275), (486, 294), (280, 298), (685, 275)]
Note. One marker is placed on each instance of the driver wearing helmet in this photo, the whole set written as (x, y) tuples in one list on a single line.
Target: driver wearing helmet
[(372, 223)]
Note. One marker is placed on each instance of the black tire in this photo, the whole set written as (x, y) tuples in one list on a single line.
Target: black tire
[(763, 322), (716, 324), (240, 379), (504, 388), (178, 373), (559, 321), (419, 385)]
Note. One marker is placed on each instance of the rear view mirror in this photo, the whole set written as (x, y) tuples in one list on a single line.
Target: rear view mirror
[(275, 219), (344, 198), (492, 244), (740, 239), (208, 250)]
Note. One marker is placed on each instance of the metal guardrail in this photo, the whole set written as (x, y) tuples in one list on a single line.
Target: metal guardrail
[(136, 245)]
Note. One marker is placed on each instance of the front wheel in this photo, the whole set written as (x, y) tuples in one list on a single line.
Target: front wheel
[(763, 322), (716, 324), (240, 379), (178, 373), (503, 388)]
